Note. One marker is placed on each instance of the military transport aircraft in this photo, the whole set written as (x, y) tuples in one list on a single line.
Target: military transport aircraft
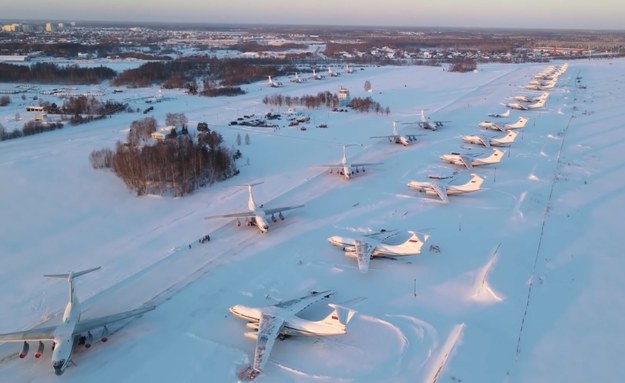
[(281, 320), (347, 169), (372, 245), (440, 190), (256, 215), (72, 331), (471, 160), (399, 138)]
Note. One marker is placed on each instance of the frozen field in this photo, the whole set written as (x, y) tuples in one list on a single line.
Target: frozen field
[(527, 285)]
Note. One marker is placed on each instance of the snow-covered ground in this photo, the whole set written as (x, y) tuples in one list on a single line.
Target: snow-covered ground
[(526, 287)]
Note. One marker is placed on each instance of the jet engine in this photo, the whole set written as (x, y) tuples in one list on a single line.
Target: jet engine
[(105, 334), (24, 351), (39, 350), (88, 340)]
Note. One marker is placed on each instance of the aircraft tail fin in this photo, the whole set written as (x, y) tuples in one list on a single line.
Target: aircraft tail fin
[(72, 274), (474, 183), (494, 158), (251, 204), (340, 316), (414, 244), (70, 279), (251, 184), (510, 137)]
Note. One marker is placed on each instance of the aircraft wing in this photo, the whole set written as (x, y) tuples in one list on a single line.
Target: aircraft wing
[(279, 209), (90, 324), (298, 304), (440, 190), (330, 166), (382, 235), (364, 250), (389, 136), (427, 125), (243, 214), (269, 327), (367, 164), (485, 141), (40, 333), (466, 161)]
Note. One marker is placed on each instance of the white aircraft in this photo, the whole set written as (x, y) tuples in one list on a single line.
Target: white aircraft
[(331, 73), (536, 105), (522, 98), (281, 320), (442, 191), (516, 105), (500, 115), (371, 245), (71, 332), (549, 84), (469, 161), (426, 123), (297, 79), (399, 138), (532, 86), (541, 85), (256, 214), (520, 123), (541, 97), (346, 169), (316, 76), (348, 69), (491, 125), (272, 83), (488, 142)]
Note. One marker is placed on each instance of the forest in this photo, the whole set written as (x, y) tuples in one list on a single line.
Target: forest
[(326, 99), (219, 73), (49, 73), (176, 165)]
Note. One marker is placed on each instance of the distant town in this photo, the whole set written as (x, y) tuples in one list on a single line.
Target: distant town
[(24, 41)]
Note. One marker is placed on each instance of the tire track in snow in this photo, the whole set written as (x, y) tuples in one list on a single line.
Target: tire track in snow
[(442, 358)]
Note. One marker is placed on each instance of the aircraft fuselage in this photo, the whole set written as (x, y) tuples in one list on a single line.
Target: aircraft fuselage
[(293, 325)]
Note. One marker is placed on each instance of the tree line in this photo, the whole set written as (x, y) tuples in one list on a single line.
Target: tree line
[(176, 165), (29, 128), (82, 109), (463, 65), (50, 73), (326, 99), (215, 73)]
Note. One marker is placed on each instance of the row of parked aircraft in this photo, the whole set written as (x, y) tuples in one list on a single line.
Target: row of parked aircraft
[(366, 247), (315, 76), (280, 320)]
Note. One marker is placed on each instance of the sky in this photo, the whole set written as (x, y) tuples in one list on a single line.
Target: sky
[(552, 14)]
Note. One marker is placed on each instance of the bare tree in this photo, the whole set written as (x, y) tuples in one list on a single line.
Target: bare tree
[(367, 86), (141, 130), (176, 119)]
